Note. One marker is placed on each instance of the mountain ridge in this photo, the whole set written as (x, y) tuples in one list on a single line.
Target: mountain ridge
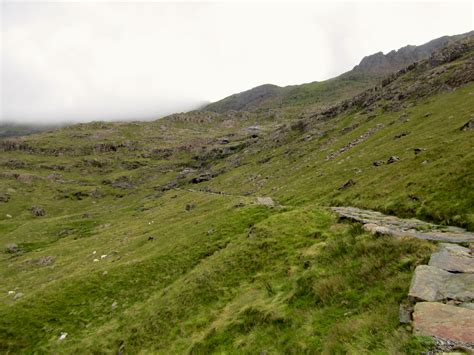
[(369, 71)]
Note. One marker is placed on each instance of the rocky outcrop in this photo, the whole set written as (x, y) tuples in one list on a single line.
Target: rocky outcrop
[(380, 63), (363, 137), (453, 258), (432, 284), (399, 227), (444, 321), (432, 78), (441, 293)]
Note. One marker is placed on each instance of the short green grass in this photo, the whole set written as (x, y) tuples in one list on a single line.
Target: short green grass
[(202, 268)]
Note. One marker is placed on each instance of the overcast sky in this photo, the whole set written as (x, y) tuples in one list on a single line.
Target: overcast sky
[(109, 60)]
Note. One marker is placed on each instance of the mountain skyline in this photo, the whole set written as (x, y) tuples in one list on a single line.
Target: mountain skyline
[(61, 63)]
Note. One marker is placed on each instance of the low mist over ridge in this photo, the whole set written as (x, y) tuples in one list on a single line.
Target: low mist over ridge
[(62, 63)]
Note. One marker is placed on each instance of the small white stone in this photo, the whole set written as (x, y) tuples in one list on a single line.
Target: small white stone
[(94, 252), (105, 272), (62, 336), (96, 260), (11, 293), (103, 256), (114, 305), (9, 215)]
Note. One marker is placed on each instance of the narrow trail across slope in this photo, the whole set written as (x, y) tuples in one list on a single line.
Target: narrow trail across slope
[(441, 297)]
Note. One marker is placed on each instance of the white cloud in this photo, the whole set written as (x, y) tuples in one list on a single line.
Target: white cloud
[(115, 60)]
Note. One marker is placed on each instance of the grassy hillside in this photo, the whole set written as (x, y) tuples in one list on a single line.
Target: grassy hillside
[(151, 237)]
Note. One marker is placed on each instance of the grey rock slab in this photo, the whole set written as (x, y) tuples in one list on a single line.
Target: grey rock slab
[(406, 227), (454, 258), (444, 321), (430, 283)]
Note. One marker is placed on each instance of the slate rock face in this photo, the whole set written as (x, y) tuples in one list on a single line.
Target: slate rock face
[(454, 258), (433, 284), (444, 321)]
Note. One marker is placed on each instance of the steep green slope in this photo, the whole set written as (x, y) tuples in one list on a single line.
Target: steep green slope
[(150, 236)]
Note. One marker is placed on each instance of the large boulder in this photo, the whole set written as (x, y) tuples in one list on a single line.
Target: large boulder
[(454, 258), (433, 284), (444, 321)]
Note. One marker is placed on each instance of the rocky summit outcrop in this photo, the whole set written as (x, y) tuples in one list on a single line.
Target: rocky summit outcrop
[(380, 63)]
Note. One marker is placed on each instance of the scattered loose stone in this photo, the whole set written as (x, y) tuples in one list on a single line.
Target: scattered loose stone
[(190, 206), (404, 313), (37, 211), (432, 284), (454, 258), (355, 142), (378, 163), (62, 336), (239, 204), (8, 215), (18, 296), (400, 135), (347, 184), (12, 248), (265, 201), (469, 125), (114, 305), (45, 260), (444, 321), (393, 159)]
